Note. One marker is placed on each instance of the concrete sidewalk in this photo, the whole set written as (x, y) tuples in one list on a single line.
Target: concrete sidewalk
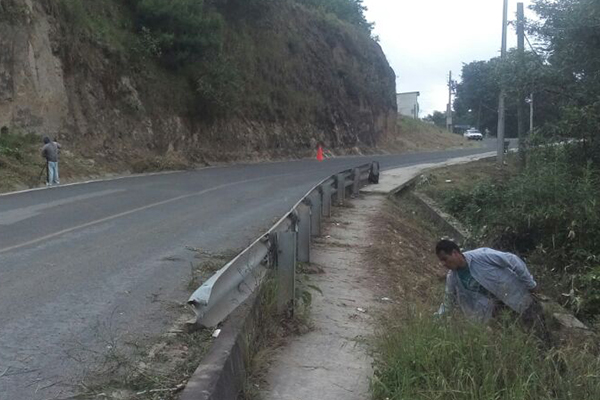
[(332, 362), (394, 179)]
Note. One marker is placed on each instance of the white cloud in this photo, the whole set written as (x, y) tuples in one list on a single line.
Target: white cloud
[(424, 39)]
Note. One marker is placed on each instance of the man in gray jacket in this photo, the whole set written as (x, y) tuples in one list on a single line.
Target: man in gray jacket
[(481, 281), (50, 153)]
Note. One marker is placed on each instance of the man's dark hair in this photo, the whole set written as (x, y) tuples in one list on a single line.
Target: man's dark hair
[(446, 246), (46, 140)]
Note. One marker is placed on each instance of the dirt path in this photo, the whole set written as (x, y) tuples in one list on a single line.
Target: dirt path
[(332, 362)]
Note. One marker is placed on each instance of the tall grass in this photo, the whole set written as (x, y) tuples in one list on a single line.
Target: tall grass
[(425, 358)]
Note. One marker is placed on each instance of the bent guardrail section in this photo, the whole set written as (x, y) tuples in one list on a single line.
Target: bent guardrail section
[(280, 248)]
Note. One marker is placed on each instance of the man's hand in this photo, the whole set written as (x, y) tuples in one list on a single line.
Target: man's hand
[(535, 290)]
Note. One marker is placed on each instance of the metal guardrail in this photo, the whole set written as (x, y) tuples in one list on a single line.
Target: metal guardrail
[(285, 244)]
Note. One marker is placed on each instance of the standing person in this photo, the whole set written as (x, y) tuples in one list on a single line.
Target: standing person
[(482, 281), (50, 153)]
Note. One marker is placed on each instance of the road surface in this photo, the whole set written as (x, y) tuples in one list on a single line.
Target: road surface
[(82, 265)]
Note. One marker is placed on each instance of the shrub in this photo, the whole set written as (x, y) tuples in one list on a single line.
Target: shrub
[(184, 31)]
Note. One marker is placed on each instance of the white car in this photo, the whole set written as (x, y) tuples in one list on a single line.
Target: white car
[(473, 134)]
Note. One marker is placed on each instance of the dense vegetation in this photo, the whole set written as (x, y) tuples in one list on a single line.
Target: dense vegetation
[(550, 210), (210, 43), (550, 213)]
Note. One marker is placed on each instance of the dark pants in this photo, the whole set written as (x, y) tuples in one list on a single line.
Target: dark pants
[(533, 320)]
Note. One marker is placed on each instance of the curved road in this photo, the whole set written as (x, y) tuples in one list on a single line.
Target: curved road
[(83, 264)]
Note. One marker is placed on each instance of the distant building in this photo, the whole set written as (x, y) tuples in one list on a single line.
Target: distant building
[(408, 104)]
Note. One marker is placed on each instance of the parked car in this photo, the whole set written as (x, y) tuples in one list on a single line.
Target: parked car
[(473, 134)]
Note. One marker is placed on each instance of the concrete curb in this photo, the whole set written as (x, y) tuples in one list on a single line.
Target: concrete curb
[(222, 372), (456, 230)]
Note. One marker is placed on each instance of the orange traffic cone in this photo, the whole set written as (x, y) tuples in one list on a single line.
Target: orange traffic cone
[(320, 153)]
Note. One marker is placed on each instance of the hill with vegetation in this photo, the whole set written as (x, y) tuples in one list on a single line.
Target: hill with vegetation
[(197, 81)]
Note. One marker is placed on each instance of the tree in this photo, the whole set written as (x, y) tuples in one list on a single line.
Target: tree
[(477, 94), (570, 30), (438, 118)]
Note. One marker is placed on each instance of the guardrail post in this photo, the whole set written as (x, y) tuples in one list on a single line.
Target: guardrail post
[(374, 172), (340, 185), (286, 270), (304, 230), (356, 183), (326, 196), (315, 203)]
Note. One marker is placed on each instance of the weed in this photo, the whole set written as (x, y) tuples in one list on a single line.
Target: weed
[(425, 358)]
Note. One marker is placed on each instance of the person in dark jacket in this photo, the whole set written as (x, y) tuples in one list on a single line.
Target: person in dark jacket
[(50, 153)]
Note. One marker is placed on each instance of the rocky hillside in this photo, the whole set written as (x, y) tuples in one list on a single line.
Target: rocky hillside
[(214, 80)]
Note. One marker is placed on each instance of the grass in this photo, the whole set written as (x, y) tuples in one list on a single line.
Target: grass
[(22, 166), (416, 135), (464, 177), (425, 358), (419, 356), (20, 160), (152, 370), (270, 330)]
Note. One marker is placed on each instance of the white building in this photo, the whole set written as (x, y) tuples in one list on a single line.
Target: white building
[(408, 104)]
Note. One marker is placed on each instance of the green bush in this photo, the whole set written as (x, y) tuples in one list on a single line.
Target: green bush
[(184, 31), (550, 211), (17, 146), (424, 358), (352, 11), (218, 84)]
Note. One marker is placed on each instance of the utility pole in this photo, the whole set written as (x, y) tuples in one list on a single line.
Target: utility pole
[(449, 108), (531, 113), (501, 107), (520, 94)]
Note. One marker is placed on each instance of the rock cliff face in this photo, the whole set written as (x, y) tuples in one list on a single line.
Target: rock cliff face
[(301, 77)]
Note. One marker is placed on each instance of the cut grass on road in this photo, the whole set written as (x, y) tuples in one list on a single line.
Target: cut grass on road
[(421, 357)]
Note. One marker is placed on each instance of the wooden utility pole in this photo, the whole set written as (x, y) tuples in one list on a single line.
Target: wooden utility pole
[(449, 108), (520, 93), (531, 113), (501, 107)]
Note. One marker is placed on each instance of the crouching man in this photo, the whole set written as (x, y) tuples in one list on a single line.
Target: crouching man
[(483, 281)]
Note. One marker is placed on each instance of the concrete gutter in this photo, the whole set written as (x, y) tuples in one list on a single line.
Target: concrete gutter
[(450, 225)]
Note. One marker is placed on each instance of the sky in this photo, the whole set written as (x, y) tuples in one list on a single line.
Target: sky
[(425, 39)]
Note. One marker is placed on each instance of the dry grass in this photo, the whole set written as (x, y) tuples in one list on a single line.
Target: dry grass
[(415, 135), (463, 177), (22, 166), (403, 250)]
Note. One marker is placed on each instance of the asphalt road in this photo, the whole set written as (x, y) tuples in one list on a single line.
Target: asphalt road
[(84, 265)]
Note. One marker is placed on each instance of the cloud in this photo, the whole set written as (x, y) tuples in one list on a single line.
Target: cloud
[(425, 39)]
